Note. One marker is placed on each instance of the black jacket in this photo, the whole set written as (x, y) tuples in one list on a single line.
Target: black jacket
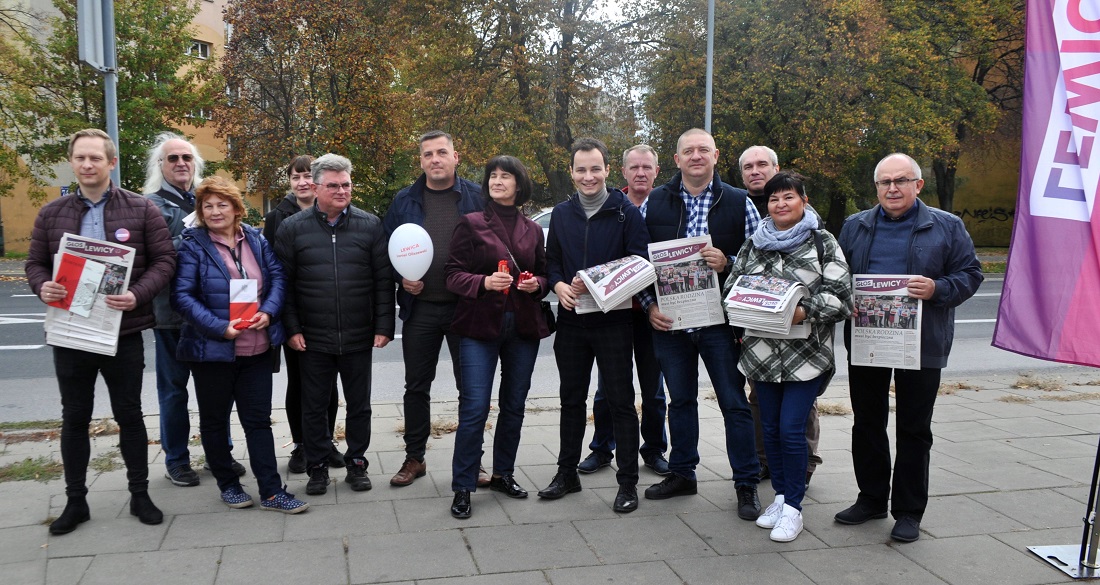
[(339, 280), (287, 207)]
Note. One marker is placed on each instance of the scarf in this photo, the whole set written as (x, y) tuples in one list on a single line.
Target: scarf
[(770, 238)]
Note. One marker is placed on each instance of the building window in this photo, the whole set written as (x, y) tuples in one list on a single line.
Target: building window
[(201, 113), (199, 49)]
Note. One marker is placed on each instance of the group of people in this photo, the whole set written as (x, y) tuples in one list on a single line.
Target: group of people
[(325, 291)]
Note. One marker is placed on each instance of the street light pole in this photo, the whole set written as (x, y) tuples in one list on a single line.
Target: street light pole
[(710, 64)]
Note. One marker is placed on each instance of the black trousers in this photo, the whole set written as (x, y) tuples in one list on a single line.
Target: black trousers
[(294, 396), (915, 395), (575, 348), (76, 375), (421, 339), (319, 371)]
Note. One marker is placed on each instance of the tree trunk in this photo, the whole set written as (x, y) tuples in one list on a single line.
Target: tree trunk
[(944, 167)]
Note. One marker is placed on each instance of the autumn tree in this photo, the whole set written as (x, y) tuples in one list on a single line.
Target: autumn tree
[(46, 94), (315, 76)]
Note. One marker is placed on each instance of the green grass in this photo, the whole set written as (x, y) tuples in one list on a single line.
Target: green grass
[(39, 469), (15, 256), (106, 462), (30, 425), (993, 267)]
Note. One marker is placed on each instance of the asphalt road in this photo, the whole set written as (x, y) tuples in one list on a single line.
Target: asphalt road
[(28, 390)]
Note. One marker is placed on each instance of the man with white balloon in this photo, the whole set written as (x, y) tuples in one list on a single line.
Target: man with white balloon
[(339, 308), (434, 203)]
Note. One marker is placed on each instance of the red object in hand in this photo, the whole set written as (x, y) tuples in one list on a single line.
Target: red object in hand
[(525, 276), (242, 325), (502, 266)]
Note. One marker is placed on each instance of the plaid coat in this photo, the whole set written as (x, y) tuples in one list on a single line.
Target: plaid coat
[(830, 284)]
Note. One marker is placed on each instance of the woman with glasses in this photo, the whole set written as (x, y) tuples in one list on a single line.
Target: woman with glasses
[(790, 373), (229, 288), (497, 267)]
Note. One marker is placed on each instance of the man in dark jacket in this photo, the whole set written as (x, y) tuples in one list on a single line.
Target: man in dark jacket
[(594, 226), (695, 203), (902, 235), (300, 198), (172, 171), (435, 202), (101, 210), (337, 254)]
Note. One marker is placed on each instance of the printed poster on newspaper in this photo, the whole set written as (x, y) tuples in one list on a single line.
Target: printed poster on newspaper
[(886, 322), (687, 289), (91, 269)]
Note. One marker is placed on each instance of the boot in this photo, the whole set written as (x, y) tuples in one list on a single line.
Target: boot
[(142, 507), (76, 512)]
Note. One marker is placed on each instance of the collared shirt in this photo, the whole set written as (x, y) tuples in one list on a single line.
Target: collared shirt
[(187, 196), (91, 225), (645, 202)]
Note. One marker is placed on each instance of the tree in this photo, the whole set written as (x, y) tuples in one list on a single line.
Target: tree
[(309, 77), (46, 94)]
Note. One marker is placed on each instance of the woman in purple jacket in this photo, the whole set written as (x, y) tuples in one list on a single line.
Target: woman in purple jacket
[(499, 318), (229, 349)]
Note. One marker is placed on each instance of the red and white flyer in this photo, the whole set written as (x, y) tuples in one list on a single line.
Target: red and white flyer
[(87, 264)]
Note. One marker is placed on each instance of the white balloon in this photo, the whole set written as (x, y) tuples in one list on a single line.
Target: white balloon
[(411, 251)]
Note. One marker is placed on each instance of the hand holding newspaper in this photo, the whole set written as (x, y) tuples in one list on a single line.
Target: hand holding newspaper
[(612, 284), (687, 288), (764, 305), (92, 269)]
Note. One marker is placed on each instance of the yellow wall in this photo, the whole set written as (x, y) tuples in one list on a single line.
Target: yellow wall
[(985, 196)]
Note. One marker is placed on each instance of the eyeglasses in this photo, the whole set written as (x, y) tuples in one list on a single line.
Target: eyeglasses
[(174, 158), (338, 186), (900, 183)]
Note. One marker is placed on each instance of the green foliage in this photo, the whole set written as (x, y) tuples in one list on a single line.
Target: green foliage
[(48, 95), (39, 469), (30, 424)]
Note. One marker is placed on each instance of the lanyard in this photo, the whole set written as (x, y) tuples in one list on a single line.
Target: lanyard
[(235, 252)]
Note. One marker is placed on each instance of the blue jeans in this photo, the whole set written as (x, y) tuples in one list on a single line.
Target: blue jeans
[(246, 381), (175, 422), (678, 354), (479, 365), (652, 388), (784, 407)]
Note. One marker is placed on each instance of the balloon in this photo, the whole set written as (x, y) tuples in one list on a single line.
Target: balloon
[(411, 251)]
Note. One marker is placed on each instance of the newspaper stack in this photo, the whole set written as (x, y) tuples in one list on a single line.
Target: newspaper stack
[(764, 306), (89, 269), (612, 284)]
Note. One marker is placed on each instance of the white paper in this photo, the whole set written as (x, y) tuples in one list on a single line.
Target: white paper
[(886, 322)]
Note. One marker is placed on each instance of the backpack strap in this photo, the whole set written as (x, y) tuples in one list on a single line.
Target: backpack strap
[(819, 243)]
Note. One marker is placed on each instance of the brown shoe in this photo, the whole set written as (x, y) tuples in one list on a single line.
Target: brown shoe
[(410, 470), (483, 477)]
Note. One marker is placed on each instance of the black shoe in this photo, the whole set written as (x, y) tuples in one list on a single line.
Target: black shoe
[(748, 505), (906, 529), (658, 464), (182, 476), (76, 512), (236, 465), (297, 463), (506, 484), (336, 458), (357, 476), (858, 513), (594, 462), (142, 507), (318, 480), (460, 506), (765, 473), (671, 486), (561, 484), (626, 501)]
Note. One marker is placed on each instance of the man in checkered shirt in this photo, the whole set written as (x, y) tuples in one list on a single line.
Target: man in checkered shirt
[(696, 203)]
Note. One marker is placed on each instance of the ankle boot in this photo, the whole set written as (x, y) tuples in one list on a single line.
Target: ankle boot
[(142, 507), (76, 512)]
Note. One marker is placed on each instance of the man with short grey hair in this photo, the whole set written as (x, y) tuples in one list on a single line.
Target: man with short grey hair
[(336, 252)]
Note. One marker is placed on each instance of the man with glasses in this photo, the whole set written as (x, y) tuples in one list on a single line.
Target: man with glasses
[(340, 308), (758, 165), (902, 235), (172, 171), (435, 202)]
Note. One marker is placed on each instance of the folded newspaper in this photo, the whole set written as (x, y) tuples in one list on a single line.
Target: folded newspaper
[(765, 305), (613, 283), (91, 269)]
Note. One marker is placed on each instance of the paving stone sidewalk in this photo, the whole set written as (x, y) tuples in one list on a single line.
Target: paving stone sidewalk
[(1011, 468)]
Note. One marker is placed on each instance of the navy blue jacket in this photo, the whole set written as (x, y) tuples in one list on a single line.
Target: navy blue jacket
[(200, 294), (408, 207), (576, 242), (666, 217), (939, 248)]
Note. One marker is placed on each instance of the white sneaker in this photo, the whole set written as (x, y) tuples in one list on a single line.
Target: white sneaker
[(771, 516), (789, 525)]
